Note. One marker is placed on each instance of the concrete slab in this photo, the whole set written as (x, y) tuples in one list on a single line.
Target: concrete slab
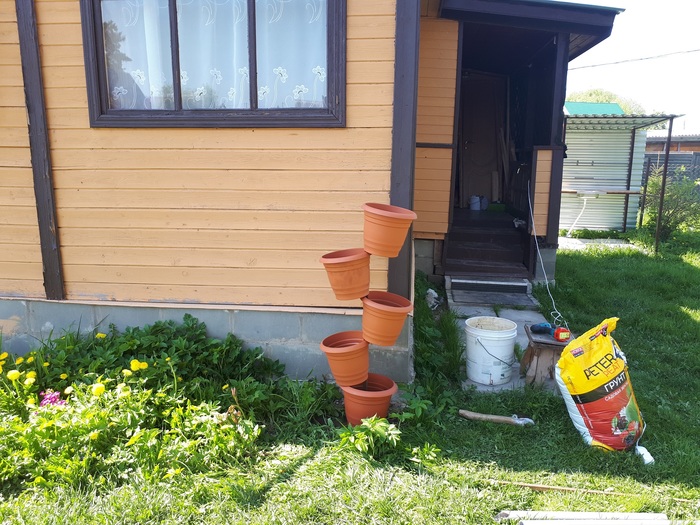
[(466, 310), (521, 318), (516, 383), (491, 298)]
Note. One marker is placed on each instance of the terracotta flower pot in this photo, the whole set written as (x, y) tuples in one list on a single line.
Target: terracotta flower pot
[(348, 357), (383, 316), (385, 228), (348, 273), (368, 399)]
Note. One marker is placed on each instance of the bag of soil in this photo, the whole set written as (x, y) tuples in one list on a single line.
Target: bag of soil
[(594, 380)]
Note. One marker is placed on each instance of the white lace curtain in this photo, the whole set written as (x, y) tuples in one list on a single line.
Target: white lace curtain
[(291, 57)]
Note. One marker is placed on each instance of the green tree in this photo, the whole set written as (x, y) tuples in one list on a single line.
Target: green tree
[(681, 202), (628, 105)]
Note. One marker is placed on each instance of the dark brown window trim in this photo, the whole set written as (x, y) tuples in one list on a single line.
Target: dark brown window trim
[(403, 150), (100, 116), (434, 145), (39, 147)]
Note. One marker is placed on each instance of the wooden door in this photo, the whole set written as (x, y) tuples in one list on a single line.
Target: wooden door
[(482, 125)]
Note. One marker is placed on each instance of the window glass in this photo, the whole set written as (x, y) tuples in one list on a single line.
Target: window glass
[(213, 41), (137, 54), (291, 53)]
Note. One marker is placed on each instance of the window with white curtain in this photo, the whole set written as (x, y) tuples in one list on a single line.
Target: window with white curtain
[(215, 63)]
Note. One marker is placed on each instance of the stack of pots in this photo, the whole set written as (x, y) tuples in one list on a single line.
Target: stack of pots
[(383, 313)]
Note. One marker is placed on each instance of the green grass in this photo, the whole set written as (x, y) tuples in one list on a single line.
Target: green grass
[(442, 469)]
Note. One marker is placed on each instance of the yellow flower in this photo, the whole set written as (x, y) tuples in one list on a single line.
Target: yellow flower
[(19, 360), (29, 381), (68, 390), (4, 355), (135, 365), (224, 388), (126, 372), (100, 335), (98, 389), (31, 374), (63, 376), (94, 435), (46, 363), (143, 366), (13, 375), (30, 359)]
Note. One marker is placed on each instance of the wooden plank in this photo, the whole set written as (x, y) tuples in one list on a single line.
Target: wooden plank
[(432, 198), (343, 221), (432, 185), (18, 216), (292, 257), (439, 206), (22, 288), (434, 153), (272, 295), (7, 12), (58, 56), (421, 227), (17, 157), (25, 270), (68, 118), (429, 235), (370, 94), (15, 137), (229, 139), (8, 32), (380, 26), (373, 72), (13, 117), (66, 98), (434, 134), (64, 77), (11, 96), (10, 196), (60, 34), (16, 235), (245, 159), (441, 102), (436, 120), (196, 276), (199, 238), (11, 75), (9, 54), (366, 117), (432, 216), (213, 199), (434, 111), (20, 252), (381, 49), (224, 179), (376, 7), (51, 12), (435, 175)]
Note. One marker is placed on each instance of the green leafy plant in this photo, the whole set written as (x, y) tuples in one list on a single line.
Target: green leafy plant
[(375, 436), (681, 204)]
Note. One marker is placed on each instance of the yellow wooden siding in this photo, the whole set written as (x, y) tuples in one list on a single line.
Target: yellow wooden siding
[(20, 250), (216, 215), (437, 72), (543, 176)]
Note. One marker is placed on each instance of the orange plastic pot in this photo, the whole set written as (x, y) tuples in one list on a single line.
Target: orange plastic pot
[(385, 228), (348, 273), (371, 398), (348, 357), (383, 317)]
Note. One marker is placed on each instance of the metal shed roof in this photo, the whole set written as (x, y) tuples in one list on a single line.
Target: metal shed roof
[(613, 122)]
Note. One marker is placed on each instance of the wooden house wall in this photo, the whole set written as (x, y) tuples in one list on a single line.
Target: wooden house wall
[(216, 215), (437, 72), (543, 176), (20, 253)]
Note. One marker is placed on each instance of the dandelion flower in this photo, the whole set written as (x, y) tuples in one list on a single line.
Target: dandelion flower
[(100, 335), (30, 359), (98, 389), (19, 360), (4, 355), (143, 365), (13, 375), (46, 363), (31, 374), (135, 365), (63, 376), (29, 381)]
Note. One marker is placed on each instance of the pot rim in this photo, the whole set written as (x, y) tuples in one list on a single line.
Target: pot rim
[(343, 256), (355, 336), (390, 391), (379, 301), (389, 210)]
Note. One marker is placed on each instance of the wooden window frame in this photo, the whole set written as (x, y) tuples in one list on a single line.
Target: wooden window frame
[(101, 116)]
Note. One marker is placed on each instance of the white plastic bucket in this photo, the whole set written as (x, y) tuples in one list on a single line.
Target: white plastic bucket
[(474, 202), (490, 349)]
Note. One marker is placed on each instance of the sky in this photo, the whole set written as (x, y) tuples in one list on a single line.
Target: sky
[(648, 28)]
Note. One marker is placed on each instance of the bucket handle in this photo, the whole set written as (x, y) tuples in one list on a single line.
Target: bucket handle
[(487, 351)]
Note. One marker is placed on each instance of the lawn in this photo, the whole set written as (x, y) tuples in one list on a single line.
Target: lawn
[(161, 424)]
